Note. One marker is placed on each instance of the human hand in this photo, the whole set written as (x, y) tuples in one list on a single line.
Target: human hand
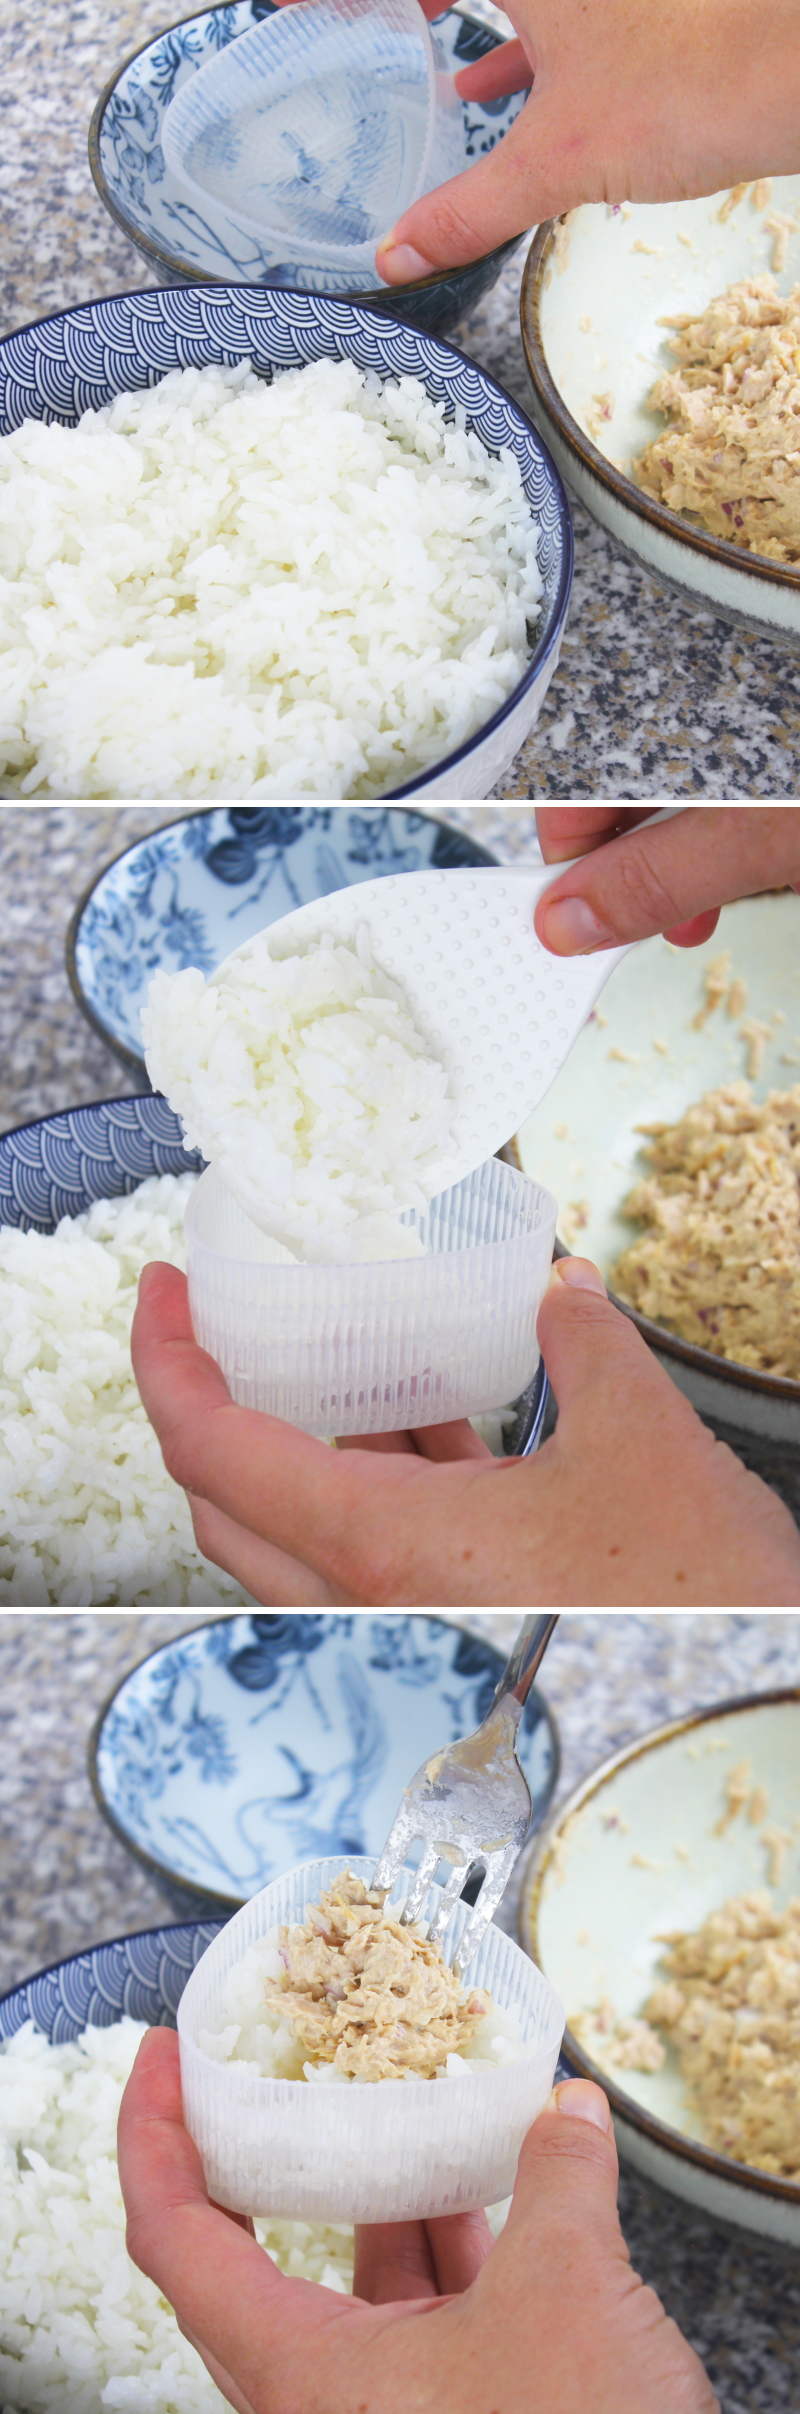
[(631, 1502), (441, 2321), (628, 104), (670, 876)]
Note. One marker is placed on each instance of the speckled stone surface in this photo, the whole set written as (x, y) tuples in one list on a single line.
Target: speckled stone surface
[(49, 854), (649, 700), (49, 1055), (65, 1882)]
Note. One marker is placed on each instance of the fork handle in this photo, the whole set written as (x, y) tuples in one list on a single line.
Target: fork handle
[(520, 1670)]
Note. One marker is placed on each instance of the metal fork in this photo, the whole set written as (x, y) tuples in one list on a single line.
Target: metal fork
[(470, 1804)]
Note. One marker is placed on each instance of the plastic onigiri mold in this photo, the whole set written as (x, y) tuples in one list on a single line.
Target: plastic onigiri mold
[(373, 1348), (398, 2150), (320, 127)]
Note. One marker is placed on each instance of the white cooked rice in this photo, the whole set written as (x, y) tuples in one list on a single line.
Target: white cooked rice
[(219, 587), (307, 1085), (88, 1514), (81, 2330), (249, 2032)]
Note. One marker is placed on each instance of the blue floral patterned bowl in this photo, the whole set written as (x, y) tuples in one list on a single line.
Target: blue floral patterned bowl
[(181, 243), (199, 886), (258, 1741), (59, 1165), (81, 358)]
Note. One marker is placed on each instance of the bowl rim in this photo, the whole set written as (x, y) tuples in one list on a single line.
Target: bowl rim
[(704, 1361), (535, 1865), (65, 1961), (546, 643), (640, 505), (127, 1055), (229, 1903), (173, 260)]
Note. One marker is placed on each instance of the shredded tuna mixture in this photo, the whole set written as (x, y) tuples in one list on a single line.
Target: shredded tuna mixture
[(730, 455), (370, 1996), (719, 1259), (731, 2007)]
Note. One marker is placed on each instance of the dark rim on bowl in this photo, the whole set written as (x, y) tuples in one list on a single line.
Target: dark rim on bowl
[(127, 1055), (179, 1927), (542, 647), (536, 1865), (161, 1869), (172, 260), (689, 1353), (671, 523)]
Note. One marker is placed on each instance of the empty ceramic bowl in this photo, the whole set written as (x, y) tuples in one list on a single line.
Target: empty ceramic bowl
[(196, 887), (181, 240), (258, 1741), (78, 359), (595, 291), (642, 1847)]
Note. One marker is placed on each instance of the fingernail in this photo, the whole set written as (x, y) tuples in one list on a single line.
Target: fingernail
[(580, 1274), (584, 2102), (406, 263), (570, 927)]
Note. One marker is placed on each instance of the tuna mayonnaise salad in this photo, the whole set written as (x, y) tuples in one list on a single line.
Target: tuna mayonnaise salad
[(352, 1994)]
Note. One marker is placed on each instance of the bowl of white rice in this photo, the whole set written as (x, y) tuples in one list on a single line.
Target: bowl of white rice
[(80, 2326), (268, 544), (89, 1517), (367, 2136)]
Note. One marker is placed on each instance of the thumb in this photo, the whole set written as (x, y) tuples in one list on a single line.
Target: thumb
[(568, 2172), (590, 1348), (515, 185), (588, 1345)]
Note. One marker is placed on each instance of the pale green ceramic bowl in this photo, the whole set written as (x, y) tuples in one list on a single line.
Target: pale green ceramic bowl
[(583, 1144), (595, 292), (635, 1851)]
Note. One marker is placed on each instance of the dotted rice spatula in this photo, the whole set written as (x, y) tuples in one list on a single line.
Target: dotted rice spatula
[(495, 1008)]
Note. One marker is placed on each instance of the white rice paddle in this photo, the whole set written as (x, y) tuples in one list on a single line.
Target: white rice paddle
[(493, 1006)]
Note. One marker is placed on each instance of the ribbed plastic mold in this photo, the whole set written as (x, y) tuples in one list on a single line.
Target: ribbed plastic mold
[(398, 2150), (372, 1348), (320, 127)]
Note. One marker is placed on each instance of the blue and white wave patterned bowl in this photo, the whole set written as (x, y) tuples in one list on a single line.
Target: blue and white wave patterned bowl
[(182, 243), (60, 1164), (259, 1741), (198, 887), (140, 1977), (81, 358)]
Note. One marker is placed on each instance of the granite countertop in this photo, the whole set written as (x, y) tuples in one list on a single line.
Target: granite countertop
[(649, 700), (49, 854), (67, 1882)]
